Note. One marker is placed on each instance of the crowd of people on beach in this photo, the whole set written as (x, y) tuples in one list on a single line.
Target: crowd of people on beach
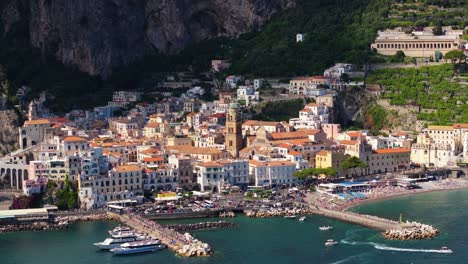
[(334, 202)]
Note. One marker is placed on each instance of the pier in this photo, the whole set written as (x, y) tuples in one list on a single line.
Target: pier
[(184, 245), (391, 229), (374, 222)]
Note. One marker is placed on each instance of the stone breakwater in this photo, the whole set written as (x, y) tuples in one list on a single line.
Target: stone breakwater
[(34, 226), (54, 223), (202, 225), (411, 231), (273, 212), (84, 218), (226, 214), (194, 247)]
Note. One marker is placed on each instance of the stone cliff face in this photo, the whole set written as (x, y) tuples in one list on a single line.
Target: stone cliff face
[(97, 35), (9, 131), (348, 106)]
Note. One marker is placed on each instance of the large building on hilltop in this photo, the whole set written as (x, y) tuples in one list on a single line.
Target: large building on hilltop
[(417, 43)]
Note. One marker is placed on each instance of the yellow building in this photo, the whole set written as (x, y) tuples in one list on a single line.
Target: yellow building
[(330, 159)]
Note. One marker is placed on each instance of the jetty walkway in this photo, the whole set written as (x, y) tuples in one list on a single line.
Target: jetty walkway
[(371, 221), (391, 229), (184, 245)]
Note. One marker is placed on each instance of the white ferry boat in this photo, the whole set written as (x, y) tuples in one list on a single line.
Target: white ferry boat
[(330, 242), (119, 239), (325, 228), (119, 229), (138, 247), (302, 219)]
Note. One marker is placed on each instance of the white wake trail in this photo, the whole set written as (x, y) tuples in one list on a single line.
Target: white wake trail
[(387, 248)]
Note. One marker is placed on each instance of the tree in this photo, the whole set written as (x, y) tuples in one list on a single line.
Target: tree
[(309, 173), (455, 56), (399, 56), (352, 162), (437, 30), (345, 77)]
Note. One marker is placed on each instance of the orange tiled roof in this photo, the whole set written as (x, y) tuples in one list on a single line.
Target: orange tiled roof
[(151, 150), (295, 142), (37, 122), (294, 153), (303, 133), (125, 168), (284, 145), (156, 159), (354, 133), (349, 142), (392, 151), (153, 125), (72, 139), (460, 126)]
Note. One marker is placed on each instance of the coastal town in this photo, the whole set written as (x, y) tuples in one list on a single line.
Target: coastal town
[(202, 151)]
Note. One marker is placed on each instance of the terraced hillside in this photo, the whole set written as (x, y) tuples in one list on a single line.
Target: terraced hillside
[(435, 94)]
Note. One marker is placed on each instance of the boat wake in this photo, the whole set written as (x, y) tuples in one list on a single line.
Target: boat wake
[(387, 248)]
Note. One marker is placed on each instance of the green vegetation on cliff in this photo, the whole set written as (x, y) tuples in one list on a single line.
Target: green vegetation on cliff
[(437, 91), (280, 110)]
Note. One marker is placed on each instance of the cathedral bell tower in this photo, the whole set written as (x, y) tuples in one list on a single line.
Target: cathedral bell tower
[(234, 141)]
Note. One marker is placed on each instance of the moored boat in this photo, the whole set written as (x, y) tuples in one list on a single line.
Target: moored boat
[(138, 247), (302, 219), (119, 229), (111, 243), (290, 216), (118, 239)]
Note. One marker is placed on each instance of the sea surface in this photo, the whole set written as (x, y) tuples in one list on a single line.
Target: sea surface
[(272, 240)]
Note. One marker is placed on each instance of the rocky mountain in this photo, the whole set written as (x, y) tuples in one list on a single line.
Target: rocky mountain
[(97, 35)]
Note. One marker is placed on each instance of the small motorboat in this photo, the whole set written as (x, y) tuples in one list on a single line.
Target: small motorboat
[(325, 228), (446, 250), (330, 242), (302, 219), (290, 216)]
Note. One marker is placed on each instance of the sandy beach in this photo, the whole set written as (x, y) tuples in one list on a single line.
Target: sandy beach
[(378, 194)]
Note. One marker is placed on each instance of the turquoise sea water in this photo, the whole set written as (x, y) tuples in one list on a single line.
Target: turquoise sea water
[(273, 240)]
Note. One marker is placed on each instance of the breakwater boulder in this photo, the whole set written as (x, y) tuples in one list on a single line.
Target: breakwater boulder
[(412, 231), (227, 214), (274, 212), (202, 225), (194, 247)]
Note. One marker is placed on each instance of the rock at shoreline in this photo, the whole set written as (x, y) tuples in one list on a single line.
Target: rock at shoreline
[(414, 230)]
